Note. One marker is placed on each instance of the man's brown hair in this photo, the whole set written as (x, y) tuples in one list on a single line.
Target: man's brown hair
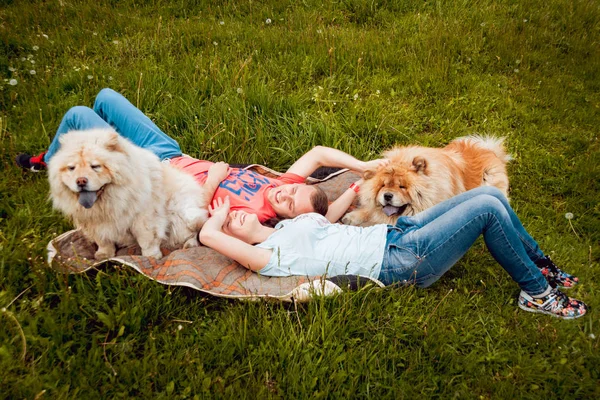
[(319, 201)]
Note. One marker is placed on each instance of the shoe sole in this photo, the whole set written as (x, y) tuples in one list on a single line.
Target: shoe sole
[(533, 310)]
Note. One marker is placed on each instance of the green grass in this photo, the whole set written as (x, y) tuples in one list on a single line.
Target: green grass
[(356, 75)]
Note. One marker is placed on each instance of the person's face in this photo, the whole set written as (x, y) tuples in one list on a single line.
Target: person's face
[(291, 200), (241, 225)]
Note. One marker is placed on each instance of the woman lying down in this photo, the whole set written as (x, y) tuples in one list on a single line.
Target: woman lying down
[(416, 250)]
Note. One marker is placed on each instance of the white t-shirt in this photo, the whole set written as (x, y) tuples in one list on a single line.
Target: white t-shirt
[(310, 245)]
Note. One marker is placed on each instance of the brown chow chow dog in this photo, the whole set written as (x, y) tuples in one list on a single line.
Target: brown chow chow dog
[(420, 177)]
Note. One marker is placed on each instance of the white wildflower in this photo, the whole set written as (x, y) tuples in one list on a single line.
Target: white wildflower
[(12, 69), (44, 35), (32, 72), (32, 61), (221, 22), (12, 82), (29, 56), (90, 77), (268, 21), (110, 78), (524, 20), (518, 62), (592, 336), (115, 42), (215, 43), (356, 96), (482, 24), (319, 31), (179, 327), (35, 48), (95, 33), (569, 215), (23, 59), (516, 70), (240, 90), (378, 92)]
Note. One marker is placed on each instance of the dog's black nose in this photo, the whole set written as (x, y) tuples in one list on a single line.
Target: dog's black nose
[(81, 181), (388, 197)]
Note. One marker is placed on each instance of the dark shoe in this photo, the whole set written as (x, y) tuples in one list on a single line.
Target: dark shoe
[(554, 275), (31, 163), (556, 304)]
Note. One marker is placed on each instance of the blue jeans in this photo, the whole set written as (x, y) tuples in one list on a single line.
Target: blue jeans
[(112, 110), (421, 248)]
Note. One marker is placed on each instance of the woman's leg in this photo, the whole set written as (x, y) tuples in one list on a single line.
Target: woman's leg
[(131, 123), (76, 119), (424, 254), (440, 242), (424, 217)]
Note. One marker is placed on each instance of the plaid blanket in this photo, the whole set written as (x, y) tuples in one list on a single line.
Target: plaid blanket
[(204, 269)]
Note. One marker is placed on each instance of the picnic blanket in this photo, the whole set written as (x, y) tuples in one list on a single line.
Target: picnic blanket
[(205, 269)]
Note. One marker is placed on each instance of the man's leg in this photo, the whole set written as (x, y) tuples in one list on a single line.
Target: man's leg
[(131, 123), (76, 119)]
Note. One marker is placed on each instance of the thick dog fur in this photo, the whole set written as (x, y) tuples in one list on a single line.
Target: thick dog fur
[(420, 177), (120, 194)]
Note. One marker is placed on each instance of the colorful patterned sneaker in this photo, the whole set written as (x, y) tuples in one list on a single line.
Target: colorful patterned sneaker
[(556, 304), (31, 163), (554, 275)]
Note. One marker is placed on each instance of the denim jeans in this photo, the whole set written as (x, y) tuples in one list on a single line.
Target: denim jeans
[(112, 110), (421, 248)]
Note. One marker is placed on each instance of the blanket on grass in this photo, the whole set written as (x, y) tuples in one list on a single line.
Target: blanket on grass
[(206, 270)]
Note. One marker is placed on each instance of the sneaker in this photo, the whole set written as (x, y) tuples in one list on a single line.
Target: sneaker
[(556, 304), (556, 277), (31, 163)]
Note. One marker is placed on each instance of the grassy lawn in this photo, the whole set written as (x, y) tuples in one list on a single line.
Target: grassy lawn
[(264, 81)]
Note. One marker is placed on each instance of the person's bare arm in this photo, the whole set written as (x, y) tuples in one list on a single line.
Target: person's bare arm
[(216, 174), (321, 156), (211, 235), (339, 207)]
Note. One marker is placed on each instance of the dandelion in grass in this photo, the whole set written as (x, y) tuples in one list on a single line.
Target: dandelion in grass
[(115, 42), (221, 22), (268, 21), (95, 33), (23, 59), (482, 24), (179, 327), (524, 20), (12, 69), (592, 336), (32, 61), (90, 77), (516, 70), (35, 48), (12, 82), (569, 216), (240, 90), (215, 43), (44, 35), (319, 31), (110, 78), (355, 96), (32, 72)]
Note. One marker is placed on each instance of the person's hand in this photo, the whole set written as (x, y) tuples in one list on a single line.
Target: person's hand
[(376, 164), (218, 213), (218, 171)]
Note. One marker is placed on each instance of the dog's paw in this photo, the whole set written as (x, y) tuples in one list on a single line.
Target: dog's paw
[(104, 252), (352, 218), (191, 242), (153, 252)]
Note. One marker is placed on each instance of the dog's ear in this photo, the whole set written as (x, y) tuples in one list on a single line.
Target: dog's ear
[(112, 144), (419, 164), (368, 174)]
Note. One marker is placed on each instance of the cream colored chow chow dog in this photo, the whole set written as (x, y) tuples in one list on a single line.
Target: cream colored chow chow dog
[(119, 194), (420, 177)]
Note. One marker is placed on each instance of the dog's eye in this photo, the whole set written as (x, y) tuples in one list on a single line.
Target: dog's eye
[(96, 167), (71, 168)]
